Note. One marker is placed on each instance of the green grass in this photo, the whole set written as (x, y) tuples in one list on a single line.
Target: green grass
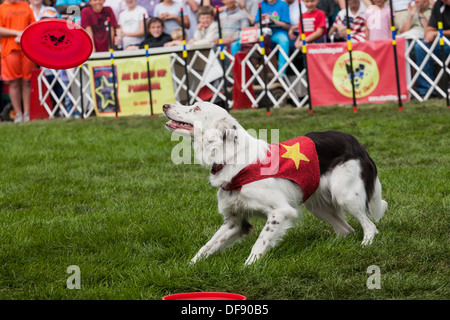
[(103, 194)]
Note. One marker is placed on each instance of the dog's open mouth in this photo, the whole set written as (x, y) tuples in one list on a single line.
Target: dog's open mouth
[(177, 125)]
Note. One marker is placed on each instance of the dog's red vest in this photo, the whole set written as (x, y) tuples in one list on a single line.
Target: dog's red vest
[(294, 159)]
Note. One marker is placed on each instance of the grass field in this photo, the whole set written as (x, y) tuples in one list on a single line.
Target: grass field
[(104, 195)]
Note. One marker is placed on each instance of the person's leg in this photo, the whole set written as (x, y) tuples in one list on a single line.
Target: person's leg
[(26, 99), (11, 74), (27, 67), (15, 96), (235, 47), (423, 85), (68, 104), (282, 39), (438, 52)]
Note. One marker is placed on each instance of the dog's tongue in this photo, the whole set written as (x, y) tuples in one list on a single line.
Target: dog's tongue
[(171, 124)]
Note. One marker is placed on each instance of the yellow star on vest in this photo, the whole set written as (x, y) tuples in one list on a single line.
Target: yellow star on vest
[(293, 152)]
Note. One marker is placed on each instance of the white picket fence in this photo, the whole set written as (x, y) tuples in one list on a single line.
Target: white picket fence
[(202, 61)]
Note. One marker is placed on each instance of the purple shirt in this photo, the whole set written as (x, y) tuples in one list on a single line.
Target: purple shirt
[(217, 3), (149, 5)]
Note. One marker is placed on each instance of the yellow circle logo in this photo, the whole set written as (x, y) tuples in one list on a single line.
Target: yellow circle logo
[(366, 74)]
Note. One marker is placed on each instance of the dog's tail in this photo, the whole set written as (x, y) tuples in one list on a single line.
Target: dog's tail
[(377, 206)]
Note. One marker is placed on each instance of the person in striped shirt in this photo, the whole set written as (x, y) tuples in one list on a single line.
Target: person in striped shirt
[(338, 31), (232, 21)]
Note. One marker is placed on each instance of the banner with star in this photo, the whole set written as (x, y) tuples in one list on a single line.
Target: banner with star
[(132, 85), (373, 69)]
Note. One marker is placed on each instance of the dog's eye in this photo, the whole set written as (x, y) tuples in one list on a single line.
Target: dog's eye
[(197, 108)]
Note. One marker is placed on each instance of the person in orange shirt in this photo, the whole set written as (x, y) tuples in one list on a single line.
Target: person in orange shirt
[(15, 16)]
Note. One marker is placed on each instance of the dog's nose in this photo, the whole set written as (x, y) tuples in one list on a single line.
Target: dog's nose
[(166, 107)]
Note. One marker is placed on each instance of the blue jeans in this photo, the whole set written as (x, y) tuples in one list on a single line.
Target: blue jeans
[(422, 85), (235, 47), (281, 38)]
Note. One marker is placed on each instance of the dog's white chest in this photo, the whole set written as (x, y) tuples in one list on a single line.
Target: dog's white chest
[(239, 202)]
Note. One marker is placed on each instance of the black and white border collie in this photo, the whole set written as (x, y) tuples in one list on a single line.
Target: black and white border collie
[(339, 177)]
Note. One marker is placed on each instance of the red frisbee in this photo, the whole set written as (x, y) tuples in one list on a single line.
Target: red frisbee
[(205, 296), (56, 43)]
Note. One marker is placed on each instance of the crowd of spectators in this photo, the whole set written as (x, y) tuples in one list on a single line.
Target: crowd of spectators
[(324, 20), (135, 23)]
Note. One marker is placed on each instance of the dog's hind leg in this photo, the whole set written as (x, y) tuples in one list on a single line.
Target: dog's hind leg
[(348, 192), (369, 228), (232, 230), (331, 214), (377, 206), (278, 222)]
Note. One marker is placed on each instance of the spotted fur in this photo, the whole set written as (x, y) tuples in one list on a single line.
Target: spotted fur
[(348, 181)]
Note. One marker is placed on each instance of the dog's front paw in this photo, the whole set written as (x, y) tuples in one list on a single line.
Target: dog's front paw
[(367, 241), (199, 256), (195, 259), (252, 258)]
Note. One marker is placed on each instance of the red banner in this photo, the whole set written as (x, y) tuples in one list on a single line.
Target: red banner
[(374, 72)]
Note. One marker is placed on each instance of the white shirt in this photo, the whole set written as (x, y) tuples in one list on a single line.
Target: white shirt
[(399, 5), (117, 6), (294, 12), (207, 35), (45, 12), (169, 25), (130, 22), (193, 18)]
